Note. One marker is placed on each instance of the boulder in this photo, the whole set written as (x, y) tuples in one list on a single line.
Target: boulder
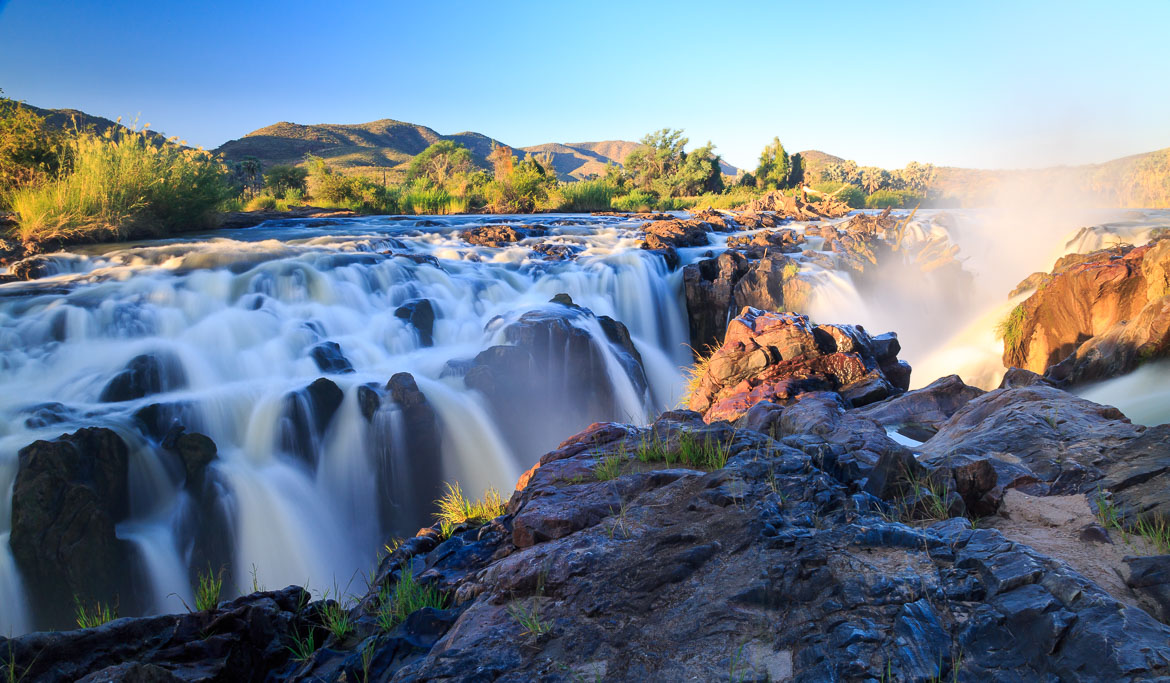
[(68, 496), (307, 414), (675, 233), (421, 314), (918, 414), (500, 235), (410, 481), (548, 350), (1096, 316), (760, 244), (145, 375), (330, 359), (778, 356)]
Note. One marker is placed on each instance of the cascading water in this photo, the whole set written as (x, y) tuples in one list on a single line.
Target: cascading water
[(233, 321)]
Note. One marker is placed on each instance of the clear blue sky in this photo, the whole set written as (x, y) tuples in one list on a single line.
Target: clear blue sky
[(985, 84)]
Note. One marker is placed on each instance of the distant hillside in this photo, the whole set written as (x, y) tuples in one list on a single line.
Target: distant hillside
[(371, 147), (66, 119), (388, 146), (814, 161), (1137, 181)]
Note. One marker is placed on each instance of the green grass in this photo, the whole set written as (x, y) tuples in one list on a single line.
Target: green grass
[(336, 617), (207, 590), (530, 619), (1155, 530), (707, 453), (303, 647), (122, 185), (636, 201), (405, 598), (587, 195), (456, 509), (931, 505), (91, 617), (1011, 328), (609, 464)]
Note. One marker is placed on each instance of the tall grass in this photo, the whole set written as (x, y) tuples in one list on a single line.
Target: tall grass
[(587, 195), (119, 185), (455, 508)]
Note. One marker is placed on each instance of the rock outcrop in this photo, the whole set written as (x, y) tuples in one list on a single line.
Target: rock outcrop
[(682, 550), (796, 208), (1094, 316), (778, 356), (717, 288), (552, 376), (500, 235)]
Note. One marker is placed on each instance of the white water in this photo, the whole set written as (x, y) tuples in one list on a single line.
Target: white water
[(241, 310)]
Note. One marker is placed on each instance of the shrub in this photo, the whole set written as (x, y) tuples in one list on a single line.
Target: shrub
[(122, 184), (440, 162), (280, 180), (426, 200), (883, 199), (261, 202), (29, 150)]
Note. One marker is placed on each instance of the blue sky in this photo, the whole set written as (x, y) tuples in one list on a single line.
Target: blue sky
[(984, 84)]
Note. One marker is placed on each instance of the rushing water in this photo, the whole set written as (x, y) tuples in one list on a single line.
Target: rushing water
[(239, 311)]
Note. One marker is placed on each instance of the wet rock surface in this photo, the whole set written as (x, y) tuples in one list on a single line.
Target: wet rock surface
[(500, 235), (549, 349)]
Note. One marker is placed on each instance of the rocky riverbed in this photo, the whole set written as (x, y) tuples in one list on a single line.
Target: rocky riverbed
[(807, 517)]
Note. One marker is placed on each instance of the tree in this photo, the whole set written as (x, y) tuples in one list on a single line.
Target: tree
[(281, 178), (874, 179), (660, 155), (249, 170), (796, 170), (699, 173), (440, 162), (772, 173)]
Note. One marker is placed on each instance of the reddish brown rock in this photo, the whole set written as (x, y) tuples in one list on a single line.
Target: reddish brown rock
[(778, 356), (1096, 316), (676, 233)]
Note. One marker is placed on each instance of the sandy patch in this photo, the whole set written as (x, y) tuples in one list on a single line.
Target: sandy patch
[(1055, 526)]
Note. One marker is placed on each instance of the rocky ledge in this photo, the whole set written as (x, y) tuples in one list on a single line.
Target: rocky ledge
[(809, 540), (1095, 316)]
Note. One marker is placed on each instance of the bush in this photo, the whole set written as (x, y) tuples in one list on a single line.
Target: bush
[(122, 184), (280, 180), (587, 195), (28, 148), (419, 198), (850, 194), (883, 199)]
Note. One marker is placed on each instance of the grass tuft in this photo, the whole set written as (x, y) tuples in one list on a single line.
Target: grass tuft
[(406, 598), (609, 464), (92, 617), (456, 509), (1011, 328), (207, 590), (707, 453)]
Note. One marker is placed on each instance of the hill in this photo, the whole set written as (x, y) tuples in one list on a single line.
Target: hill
[(371, 147), (67, 119), (815, 161)]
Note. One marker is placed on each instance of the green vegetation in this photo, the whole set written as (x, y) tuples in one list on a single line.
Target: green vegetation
[(1011, 328), (207, 590), (662, 166), (1153, 529), (588, 195), (336, 617), (280, 180), (529, 618), (91, 617), (303, 647), (405, 598), (120, 185), (609, 464), (853, 196), (29, 150), (708, 453)]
